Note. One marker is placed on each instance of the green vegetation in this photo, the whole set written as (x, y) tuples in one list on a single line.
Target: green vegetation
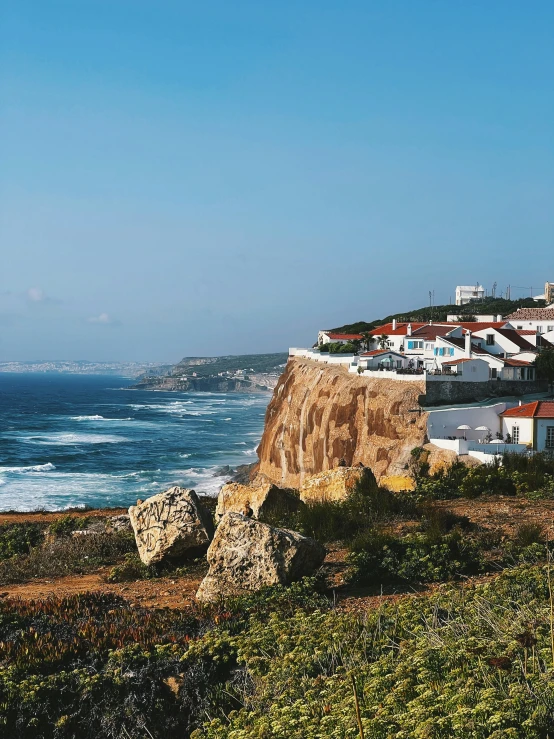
[(468, 659), (491, 306), (65, 555), (532, 477), (66, 525), (19, 538), (209, 366), (464, 663)]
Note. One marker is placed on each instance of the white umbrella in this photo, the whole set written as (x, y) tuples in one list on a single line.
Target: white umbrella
[(483, 428), (464, 427)]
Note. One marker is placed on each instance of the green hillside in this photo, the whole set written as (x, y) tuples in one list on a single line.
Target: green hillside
[(439, 313), (209, 366)]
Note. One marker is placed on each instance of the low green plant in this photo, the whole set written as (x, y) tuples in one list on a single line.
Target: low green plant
[(19, 538), (66, 556), (418, 557), (66, 525)]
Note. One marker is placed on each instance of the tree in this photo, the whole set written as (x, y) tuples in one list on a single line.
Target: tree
[(545, 366), (383, 341), (369, 340)]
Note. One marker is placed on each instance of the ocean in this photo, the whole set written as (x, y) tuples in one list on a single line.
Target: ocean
[(88, 440)]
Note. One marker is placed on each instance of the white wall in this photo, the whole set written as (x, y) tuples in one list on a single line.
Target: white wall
[(392, 376), (445, 422), (542, 425), (525, 426)]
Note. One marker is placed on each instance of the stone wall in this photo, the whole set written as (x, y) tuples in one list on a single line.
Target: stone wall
[(456, 391)]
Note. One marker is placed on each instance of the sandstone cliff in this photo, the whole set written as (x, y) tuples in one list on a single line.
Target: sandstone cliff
[(320, 414)]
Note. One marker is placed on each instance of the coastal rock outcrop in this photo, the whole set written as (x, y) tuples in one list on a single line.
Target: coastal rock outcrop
[(169, 525), (255, 499), (321, 414), (333, 485), (245, 555)]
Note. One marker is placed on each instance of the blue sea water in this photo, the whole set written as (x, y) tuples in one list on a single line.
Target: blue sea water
[(86, 440)]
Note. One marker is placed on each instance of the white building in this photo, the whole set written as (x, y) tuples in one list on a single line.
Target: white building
[(468, 293), (531, 424), (383, 359), (332, 337), (539, 320)]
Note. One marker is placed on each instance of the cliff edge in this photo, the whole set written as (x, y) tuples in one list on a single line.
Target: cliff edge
[(320, 414)]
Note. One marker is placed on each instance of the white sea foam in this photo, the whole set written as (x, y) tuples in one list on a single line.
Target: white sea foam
[(68, 439), (32, 468), (99, 418)]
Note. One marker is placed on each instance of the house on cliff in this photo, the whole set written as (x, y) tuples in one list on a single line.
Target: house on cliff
[(333, 337), (531, 423)]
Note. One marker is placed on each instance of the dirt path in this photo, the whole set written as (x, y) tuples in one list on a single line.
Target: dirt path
[(47, 517), (163, 592)]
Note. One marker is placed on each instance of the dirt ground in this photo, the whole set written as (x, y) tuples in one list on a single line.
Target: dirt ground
[(493, 513)]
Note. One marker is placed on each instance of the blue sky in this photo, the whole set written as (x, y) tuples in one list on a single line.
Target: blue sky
[(185, 178)]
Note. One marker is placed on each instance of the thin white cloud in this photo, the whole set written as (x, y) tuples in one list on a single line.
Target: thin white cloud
[(104, 318), (37, 296)]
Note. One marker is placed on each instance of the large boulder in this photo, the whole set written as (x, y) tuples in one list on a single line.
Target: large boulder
[(170, 525), (334, 485), (255, 500), (245, 555)]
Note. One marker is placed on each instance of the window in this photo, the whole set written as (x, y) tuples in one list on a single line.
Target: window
[(515, 434), (490, 339), (494, 373), (428, 346), (550, 328), (519, 328), (415, 344), (550, 437), (540, 329)]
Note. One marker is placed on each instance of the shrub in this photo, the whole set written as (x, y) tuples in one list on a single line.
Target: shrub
[(419, 557), (67, 555), (366, 505), (66, 525), (19, 538)]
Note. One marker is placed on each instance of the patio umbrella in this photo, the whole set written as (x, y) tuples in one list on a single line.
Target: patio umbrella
[(464, 427), (483, 428)]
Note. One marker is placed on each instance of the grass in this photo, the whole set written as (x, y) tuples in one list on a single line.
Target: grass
[(66, 556)]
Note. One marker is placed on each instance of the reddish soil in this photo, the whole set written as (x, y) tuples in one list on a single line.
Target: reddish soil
[(44, 517), (162, 592), (493, 513)]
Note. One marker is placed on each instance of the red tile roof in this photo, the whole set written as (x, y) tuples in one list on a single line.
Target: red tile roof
[(344, 337), (432, 330), (400, 329), (532, 314), (517, 363), (457, 361), (536, 409)]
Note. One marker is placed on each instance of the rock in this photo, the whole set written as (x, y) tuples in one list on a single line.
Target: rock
[(223, 471), (120, 523), (321, 413), (334, 484), (170, 525), (246, 555), (255, 500)]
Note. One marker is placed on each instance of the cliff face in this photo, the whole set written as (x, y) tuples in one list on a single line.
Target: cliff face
[(320, 414)]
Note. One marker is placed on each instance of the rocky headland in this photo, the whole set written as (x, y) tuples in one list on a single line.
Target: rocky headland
[(321, 416)]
